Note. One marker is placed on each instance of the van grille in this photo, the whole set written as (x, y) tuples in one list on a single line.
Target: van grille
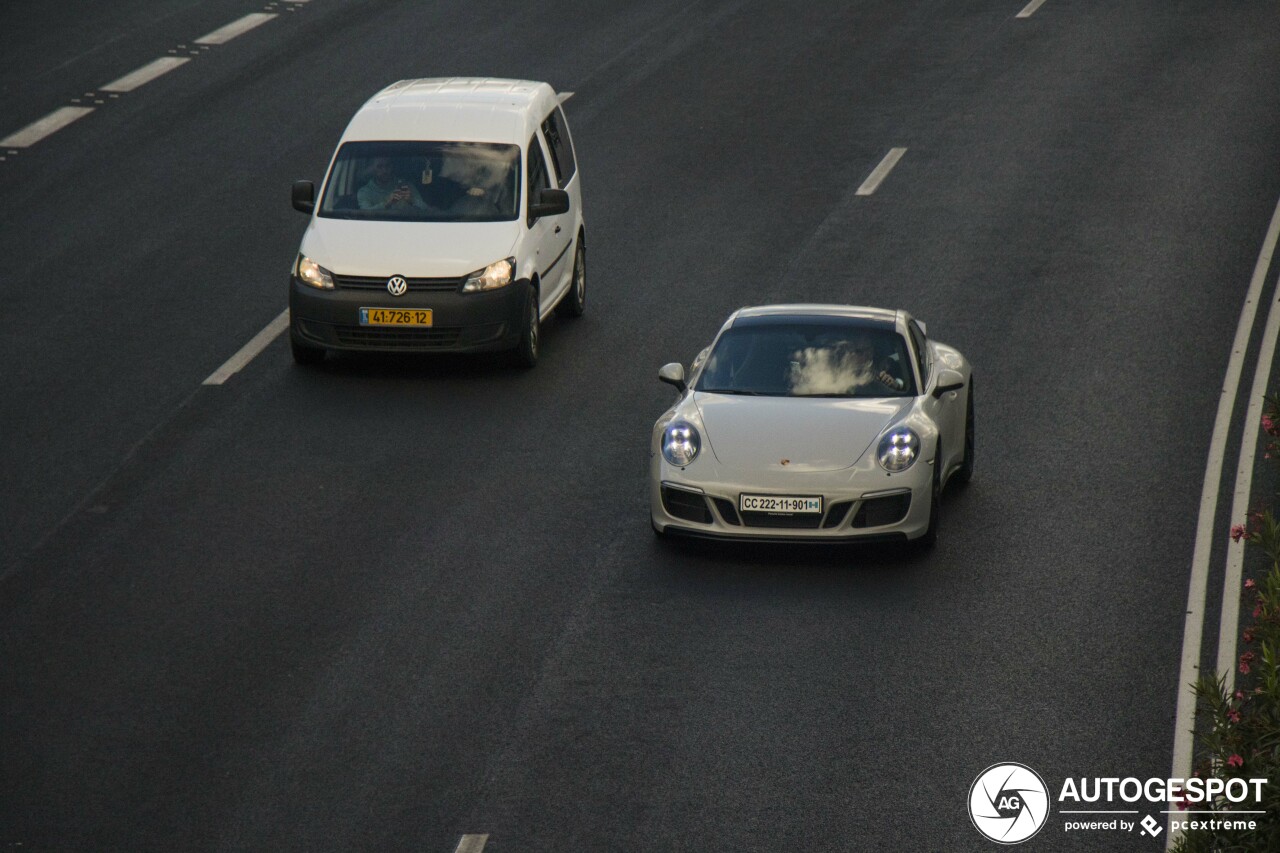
[(418, 285)]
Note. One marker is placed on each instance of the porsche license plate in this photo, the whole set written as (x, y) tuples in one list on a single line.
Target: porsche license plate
[(788, 504), (395, 316)]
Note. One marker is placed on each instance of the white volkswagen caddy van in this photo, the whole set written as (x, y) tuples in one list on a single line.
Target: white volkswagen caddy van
[(450, 220)]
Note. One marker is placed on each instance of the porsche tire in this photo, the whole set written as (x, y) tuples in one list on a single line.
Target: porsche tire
[(965, 474)]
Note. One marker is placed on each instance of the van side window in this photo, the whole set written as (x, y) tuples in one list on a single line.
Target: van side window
[(557, 133), (920, 346), (537, 176)]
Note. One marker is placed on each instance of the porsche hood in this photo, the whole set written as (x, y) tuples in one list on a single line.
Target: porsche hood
[(811, 434)]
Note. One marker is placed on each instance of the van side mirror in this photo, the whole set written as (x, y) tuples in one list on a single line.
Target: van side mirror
[(673, 374), (948, 380), (304, 196), (549, 203)]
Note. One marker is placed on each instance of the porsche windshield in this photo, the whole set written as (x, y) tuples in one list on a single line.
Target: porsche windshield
[(836, 359), (424, 182)]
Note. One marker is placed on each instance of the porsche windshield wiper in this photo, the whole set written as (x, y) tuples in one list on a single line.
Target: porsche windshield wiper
[(741, 391)]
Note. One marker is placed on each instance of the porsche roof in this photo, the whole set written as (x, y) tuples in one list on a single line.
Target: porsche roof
[(763, 314)]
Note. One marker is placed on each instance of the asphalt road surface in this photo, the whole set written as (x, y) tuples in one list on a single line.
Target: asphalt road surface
[(397, 600)]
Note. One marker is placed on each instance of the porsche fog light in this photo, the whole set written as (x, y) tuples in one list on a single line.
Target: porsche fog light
[(898, 450), (680, 444), (309, 272), (497, 274)]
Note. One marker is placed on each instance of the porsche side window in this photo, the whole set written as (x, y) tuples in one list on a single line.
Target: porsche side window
[(917, 339)]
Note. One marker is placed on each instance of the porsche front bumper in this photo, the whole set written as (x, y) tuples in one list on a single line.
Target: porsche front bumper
[(857, 505)]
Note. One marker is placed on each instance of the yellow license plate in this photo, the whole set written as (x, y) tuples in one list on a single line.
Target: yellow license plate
[(395, 316)]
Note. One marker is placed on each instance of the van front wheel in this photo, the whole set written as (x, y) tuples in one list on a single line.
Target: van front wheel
[(526, 352), (575, 301)]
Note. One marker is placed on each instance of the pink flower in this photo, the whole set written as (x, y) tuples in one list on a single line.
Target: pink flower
[(1235, 761), (1233, 715), (1183, 805), (1245, 660), (1239, 695), (1249, 584), (1268, 424), (1248, 635), (1238, 532), (1257, 611)]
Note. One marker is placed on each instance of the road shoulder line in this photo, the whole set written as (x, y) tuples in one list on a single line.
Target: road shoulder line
[(1193, 626)]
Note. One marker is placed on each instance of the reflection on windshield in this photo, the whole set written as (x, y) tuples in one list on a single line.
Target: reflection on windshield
[(837, 359), (424, 181)]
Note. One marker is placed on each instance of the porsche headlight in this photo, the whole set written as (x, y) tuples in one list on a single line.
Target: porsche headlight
[(497, 274), (898, 450), (681, 443), (309, 272)]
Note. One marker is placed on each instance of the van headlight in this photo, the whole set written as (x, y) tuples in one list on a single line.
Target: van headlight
[(497, 274), (681, 443), (309, 272), (898, 450)]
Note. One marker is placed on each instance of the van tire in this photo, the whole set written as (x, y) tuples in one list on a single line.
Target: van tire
[(526, 352), (575, 301)]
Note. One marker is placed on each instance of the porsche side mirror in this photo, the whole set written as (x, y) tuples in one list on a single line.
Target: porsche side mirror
[(549, 203), (673, 374), (948, 380), (304, 196)]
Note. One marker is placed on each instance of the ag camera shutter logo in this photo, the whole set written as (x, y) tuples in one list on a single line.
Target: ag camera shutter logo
[(1008, 803)]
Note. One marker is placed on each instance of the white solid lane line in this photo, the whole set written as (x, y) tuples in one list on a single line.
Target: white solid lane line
[(1030, 9), (1193, 627), (37, 130), (874, 180), (145, 74), (471, 844), (222, 35), (250, 350), (1229, 625)]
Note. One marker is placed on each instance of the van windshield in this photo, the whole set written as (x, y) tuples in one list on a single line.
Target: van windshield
[(424, 182)]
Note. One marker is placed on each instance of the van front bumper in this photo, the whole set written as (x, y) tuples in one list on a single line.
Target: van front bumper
[(461, 322)]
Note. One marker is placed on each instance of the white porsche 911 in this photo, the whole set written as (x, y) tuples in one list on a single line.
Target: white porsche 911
[(813, 423)]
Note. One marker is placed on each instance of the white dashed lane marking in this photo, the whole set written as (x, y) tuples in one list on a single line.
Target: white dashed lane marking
[(1030, 8), (882, 171), (52, 123), (239, 27), (145, 74), (250, 350), (471, 844)]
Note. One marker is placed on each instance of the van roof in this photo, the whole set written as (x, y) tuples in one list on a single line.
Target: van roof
[(463, 109)]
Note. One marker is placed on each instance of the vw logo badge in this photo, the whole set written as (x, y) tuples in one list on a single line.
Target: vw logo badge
[(397, 286)]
